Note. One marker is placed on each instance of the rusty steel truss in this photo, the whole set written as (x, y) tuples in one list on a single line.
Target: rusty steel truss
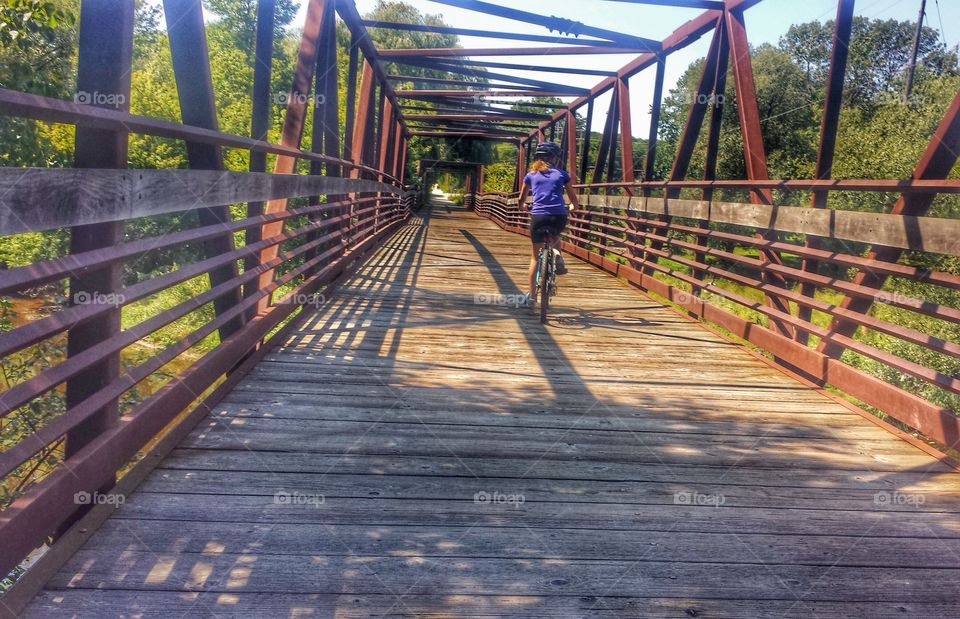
[(355, 197)]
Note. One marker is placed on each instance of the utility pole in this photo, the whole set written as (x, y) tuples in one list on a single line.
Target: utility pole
[(913, 55)]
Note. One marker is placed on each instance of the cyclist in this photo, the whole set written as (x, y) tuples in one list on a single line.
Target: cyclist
[(546, 183)]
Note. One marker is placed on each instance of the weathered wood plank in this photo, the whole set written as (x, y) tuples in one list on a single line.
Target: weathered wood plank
[(418, 439), (332, 484), (163, 537), (74, 197), (362, 575), (508, 467), (240, 605), (680, 518)]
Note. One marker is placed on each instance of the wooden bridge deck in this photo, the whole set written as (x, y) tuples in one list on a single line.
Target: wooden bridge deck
[(415, 452)]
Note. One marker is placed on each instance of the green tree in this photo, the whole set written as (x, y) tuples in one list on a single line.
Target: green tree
[(236, 21), (879, 53)]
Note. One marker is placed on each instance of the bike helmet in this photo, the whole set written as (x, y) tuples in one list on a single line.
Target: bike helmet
[(548, 149)]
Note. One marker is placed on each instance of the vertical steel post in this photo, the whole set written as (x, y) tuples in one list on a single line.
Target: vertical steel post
[(585, 152), (626, 133), (521, 166), (103, 66), (360, 137), (614, 129), (603, 149), (325, 137), (753, 149), (292, 132), (713, 143), (570, 128), (191, 68), (259, 124), (351, 103), (828, 138), (651, 156)]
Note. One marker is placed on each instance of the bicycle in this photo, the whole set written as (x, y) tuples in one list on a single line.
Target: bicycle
[(545, 275)]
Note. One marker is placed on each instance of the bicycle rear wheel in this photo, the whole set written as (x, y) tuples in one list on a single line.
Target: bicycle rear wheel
[(544, 267)]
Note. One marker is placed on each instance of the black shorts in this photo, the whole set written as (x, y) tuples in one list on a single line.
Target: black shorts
[(539, 224)]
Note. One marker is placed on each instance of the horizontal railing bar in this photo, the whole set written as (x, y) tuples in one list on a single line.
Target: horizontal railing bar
[(75, 196), (43, 328), (37, 274), (62, 424), (930, 234), (12, 458), (932, 277), (939, 278), (902, 301), (844, 184), (909, 367), (22, 393), (905, 333), (48, 109), (942, 346)]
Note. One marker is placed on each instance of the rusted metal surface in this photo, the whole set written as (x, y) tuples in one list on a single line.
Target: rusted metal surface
[(191, 68), (843, 25), (105, 56), (936, 163)]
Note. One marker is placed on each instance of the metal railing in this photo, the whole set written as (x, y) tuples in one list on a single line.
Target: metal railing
[(313, 245)]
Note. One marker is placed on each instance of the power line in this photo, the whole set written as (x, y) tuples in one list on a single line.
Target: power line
[(943, 34)]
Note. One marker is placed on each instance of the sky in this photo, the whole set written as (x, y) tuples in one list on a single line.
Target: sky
[(765, 22)]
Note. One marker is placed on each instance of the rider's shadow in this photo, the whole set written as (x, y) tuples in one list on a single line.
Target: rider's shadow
[(573, 318)]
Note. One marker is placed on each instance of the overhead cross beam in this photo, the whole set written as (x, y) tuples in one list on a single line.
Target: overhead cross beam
[(479, 94), (494, 112), (716, 5), (448, 82), (430, 62), (489, 34), (555, 23), (449, 67), (394, 54), (461, 117)]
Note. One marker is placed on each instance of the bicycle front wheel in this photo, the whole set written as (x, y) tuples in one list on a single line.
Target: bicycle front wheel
[(544, 276)]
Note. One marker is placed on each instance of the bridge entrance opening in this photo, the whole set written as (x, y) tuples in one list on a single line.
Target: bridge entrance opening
[(433, 170)]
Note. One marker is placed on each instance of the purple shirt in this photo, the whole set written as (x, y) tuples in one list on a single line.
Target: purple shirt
[(547, 190)]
